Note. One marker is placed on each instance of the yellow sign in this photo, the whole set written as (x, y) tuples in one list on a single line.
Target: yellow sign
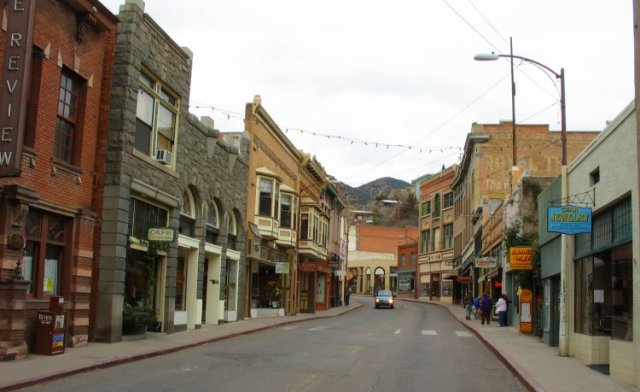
[(521, 257)]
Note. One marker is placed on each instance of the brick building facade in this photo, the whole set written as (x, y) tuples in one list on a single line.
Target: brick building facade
[(56, 92)]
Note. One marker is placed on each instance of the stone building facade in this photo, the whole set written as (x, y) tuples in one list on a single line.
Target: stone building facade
[(169, 172), (60, 78)]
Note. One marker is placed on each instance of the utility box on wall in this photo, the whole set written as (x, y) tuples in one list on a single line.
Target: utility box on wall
[(51, 328)]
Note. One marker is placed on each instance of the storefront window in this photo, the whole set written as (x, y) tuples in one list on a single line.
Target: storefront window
[(142, 216), (604, 294), (44, 232), (140, 283), (181, 285)]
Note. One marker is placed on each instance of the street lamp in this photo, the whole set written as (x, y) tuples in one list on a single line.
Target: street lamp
[(563, 124), (565, 247)]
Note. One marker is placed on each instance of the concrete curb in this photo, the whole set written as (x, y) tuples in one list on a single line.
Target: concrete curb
[(525, 378), (138, 357)]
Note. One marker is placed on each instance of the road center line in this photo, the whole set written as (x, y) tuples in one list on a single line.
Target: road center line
[(397, 331), (429, 332)]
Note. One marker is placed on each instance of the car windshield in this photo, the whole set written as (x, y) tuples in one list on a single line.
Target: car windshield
[(384, 293)]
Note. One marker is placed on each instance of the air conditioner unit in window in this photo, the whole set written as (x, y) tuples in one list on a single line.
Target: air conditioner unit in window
[(164, 156)]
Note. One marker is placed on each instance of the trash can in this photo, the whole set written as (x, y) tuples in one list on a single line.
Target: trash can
[(50, 329)]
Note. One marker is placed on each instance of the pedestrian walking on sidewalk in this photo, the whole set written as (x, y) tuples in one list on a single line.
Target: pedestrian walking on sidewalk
[(468, 305), (486, 305), (475, 307), (347, 296), (501, 309)]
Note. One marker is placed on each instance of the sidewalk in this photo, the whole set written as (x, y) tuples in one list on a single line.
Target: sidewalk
[(536, 364)]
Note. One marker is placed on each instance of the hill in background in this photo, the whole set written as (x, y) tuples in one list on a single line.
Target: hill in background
[(391, 201)]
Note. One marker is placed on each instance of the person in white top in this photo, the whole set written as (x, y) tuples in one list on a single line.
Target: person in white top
[(501, 309)]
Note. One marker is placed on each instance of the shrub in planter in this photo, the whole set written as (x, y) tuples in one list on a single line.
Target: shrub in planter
[(136, 319)]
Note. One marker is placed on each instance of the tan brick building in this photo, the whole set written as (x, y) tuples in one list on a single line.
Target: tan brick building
[(373, 253), (485, 179), (435, 275)]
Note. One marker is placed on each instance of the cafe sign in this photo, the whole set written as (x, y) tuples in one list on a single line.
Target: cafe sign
[(521, 257), (161, 234), (569, 220)]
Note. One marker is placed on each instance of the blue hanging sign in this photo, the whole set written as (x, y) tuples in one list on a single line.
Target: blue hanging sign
[(569, 220)]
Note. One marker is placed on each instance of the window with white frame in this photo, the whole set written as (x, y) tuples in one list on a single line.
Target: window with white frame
[(66, 143), (287, 210), (268, 191), (156, 117)]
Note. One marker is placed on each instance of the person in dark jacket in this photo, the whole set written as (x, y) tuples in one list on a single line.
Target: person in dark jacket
[(486, 305)]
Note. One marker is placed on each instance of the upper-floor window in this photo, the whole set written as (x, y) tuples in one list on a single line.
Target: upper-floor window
[(267, 195), (66, 143), (424, 241), (187, 215), (437, 240), (213, 224), (413, 259), (448, 199), (287, 211), (436, 206), (448, 236), (304, 226), (426, 208), (156, 114), (403, 260)]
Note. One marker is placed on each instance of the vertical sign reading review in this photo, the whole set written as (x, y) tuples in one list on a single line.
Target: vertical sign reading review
[(15, 79)]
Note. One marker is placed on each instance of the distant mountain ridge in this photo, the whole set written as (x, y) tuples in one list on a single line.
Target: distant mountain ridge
[(364, 196)]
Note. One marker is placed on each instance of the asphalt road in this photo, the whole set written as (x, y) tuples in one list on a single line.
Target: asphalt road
[(410, 348)]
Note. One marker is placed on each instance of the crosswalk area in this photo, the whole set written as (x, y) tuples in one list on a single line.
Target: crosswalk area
[(423, 332)]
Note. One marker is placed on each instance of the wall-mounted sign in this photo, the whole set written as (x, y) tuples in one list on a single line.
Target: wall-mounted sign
[(521, 257), (464, 279), (485, 262), (20, 17), (161, 234), (282, 267), (569, 220)]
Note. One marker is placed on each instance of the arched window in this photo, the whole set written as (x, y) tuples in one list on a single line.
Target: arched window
[(232, 231), (213, 223), (187, 214)]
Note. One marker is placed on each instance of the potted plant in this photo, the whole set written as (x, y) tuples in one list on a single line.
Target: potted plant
[(136, 319)]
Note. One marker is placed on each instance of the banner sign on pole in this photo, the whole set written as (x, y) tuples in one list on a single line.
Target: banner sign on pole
[(521, 257)]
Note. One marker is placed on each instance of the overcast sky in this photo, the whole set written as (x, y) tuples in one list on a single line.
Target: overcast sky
[(390, 89)]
